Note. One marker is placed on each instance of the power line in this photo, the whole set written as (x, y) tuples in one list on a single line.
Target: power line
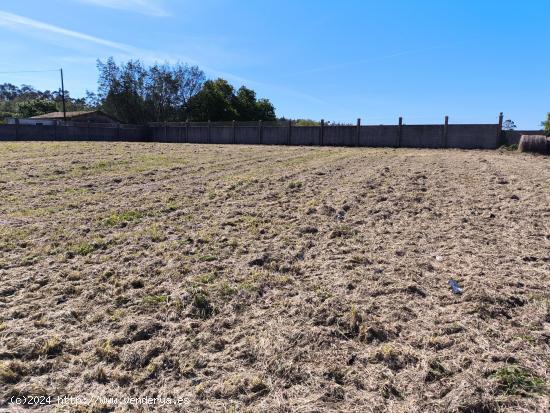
[(30, 71)]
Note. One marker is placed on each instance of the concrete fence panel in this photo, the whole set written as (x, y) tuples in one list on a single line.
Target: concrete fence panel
[(422, 136), (275, 135), (221, 134), (304, 135), (198, 134), (247, 135), (379, 136), (340, 135), (473, 136)]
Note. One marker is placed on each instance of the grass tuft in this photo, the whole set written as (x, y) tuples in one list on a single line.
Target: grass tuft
[(515, 379)]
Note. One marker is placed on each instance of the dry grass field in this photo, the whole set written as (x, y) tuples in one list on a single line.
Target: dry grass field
[(281, 279)]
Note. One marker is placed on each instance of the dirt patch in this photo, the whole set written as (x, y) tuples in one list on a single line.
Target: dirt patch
[(259, 278)]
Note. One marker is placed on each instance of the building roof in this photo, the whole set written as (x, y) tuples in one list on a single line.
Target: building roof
[(71, 115)]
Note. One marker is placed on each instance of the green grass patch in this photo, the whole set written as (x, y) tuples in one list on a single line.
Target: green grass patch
[(123, 217), (87, 248), (156, 299), (295, 184), (515, 379)]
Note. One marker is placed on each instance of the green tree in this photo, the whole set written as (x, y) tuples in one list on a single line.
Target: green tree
[(306, 122), (265, 110), (245, 104), (35, 107), (546, 125), (134, 93), (214, 102)]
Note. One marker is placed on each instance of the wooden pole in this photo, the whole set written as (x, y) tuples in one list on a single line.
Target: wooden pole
[(63, 97), (322, 132), (187, 131), (234, 132)]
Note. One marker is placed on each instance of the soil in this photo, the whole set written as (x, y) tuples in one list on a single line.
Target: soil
[(283, 279)]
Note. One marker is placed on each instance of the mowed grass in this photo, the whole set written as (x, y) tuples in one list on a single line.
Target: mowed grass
[(256, 278)]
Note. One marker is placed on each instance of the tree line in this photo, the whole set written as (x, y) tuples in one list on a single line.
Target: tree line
[(25, 101), (135, 93)]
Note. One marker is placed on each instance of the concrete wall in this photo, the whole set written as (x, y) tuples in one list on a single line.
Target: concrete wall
[(512, 137), (91, 132), (340, 136), (473, 136), (422, 136), (379, 136), (414, 136)]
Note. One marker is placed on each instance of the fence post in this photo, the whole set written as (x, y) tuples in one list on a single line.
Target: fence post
[(322, 132), (234, 132), (400, 131), (118, 131), (259, 132), (289, 132), (358, 133), (187, 131), (165, 131), (16, 129), (209, 131), (445, 131), (499, 132), (88, 131)]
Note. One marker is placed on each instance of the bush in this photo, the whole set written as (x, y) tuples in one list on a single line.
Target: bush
[(547, 125), (35, 107)]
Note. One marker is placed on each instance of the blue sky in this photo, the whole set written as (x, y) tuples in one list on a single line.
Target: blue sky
[(337, 60)]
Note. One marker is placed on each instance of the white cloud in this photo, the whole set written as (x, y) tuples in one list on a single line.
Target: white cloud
[(126, 52), (16, 21), (148, 7)]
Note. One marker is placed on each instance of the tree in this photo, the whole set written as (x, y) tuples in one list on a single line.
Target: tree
[(217, 101), (12, 98), (134, 93), (122, 90), (214, 102), (245, 104), (265, 110), (35, 107), (508, 125), (306, 122), (546, 125)]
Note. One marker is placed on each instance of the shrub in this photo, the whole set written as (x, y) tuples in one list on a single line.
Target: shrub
[(546, 125)]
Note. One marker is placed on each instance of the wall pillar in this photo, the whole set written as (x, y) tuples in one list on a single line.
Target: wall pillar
[(358, 133), (259, 132), (400, 132), (289, 132), (445, 131)]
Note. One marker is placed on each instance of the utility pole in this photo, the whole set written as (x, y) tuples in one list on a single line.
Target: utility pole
[(63, 97)]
